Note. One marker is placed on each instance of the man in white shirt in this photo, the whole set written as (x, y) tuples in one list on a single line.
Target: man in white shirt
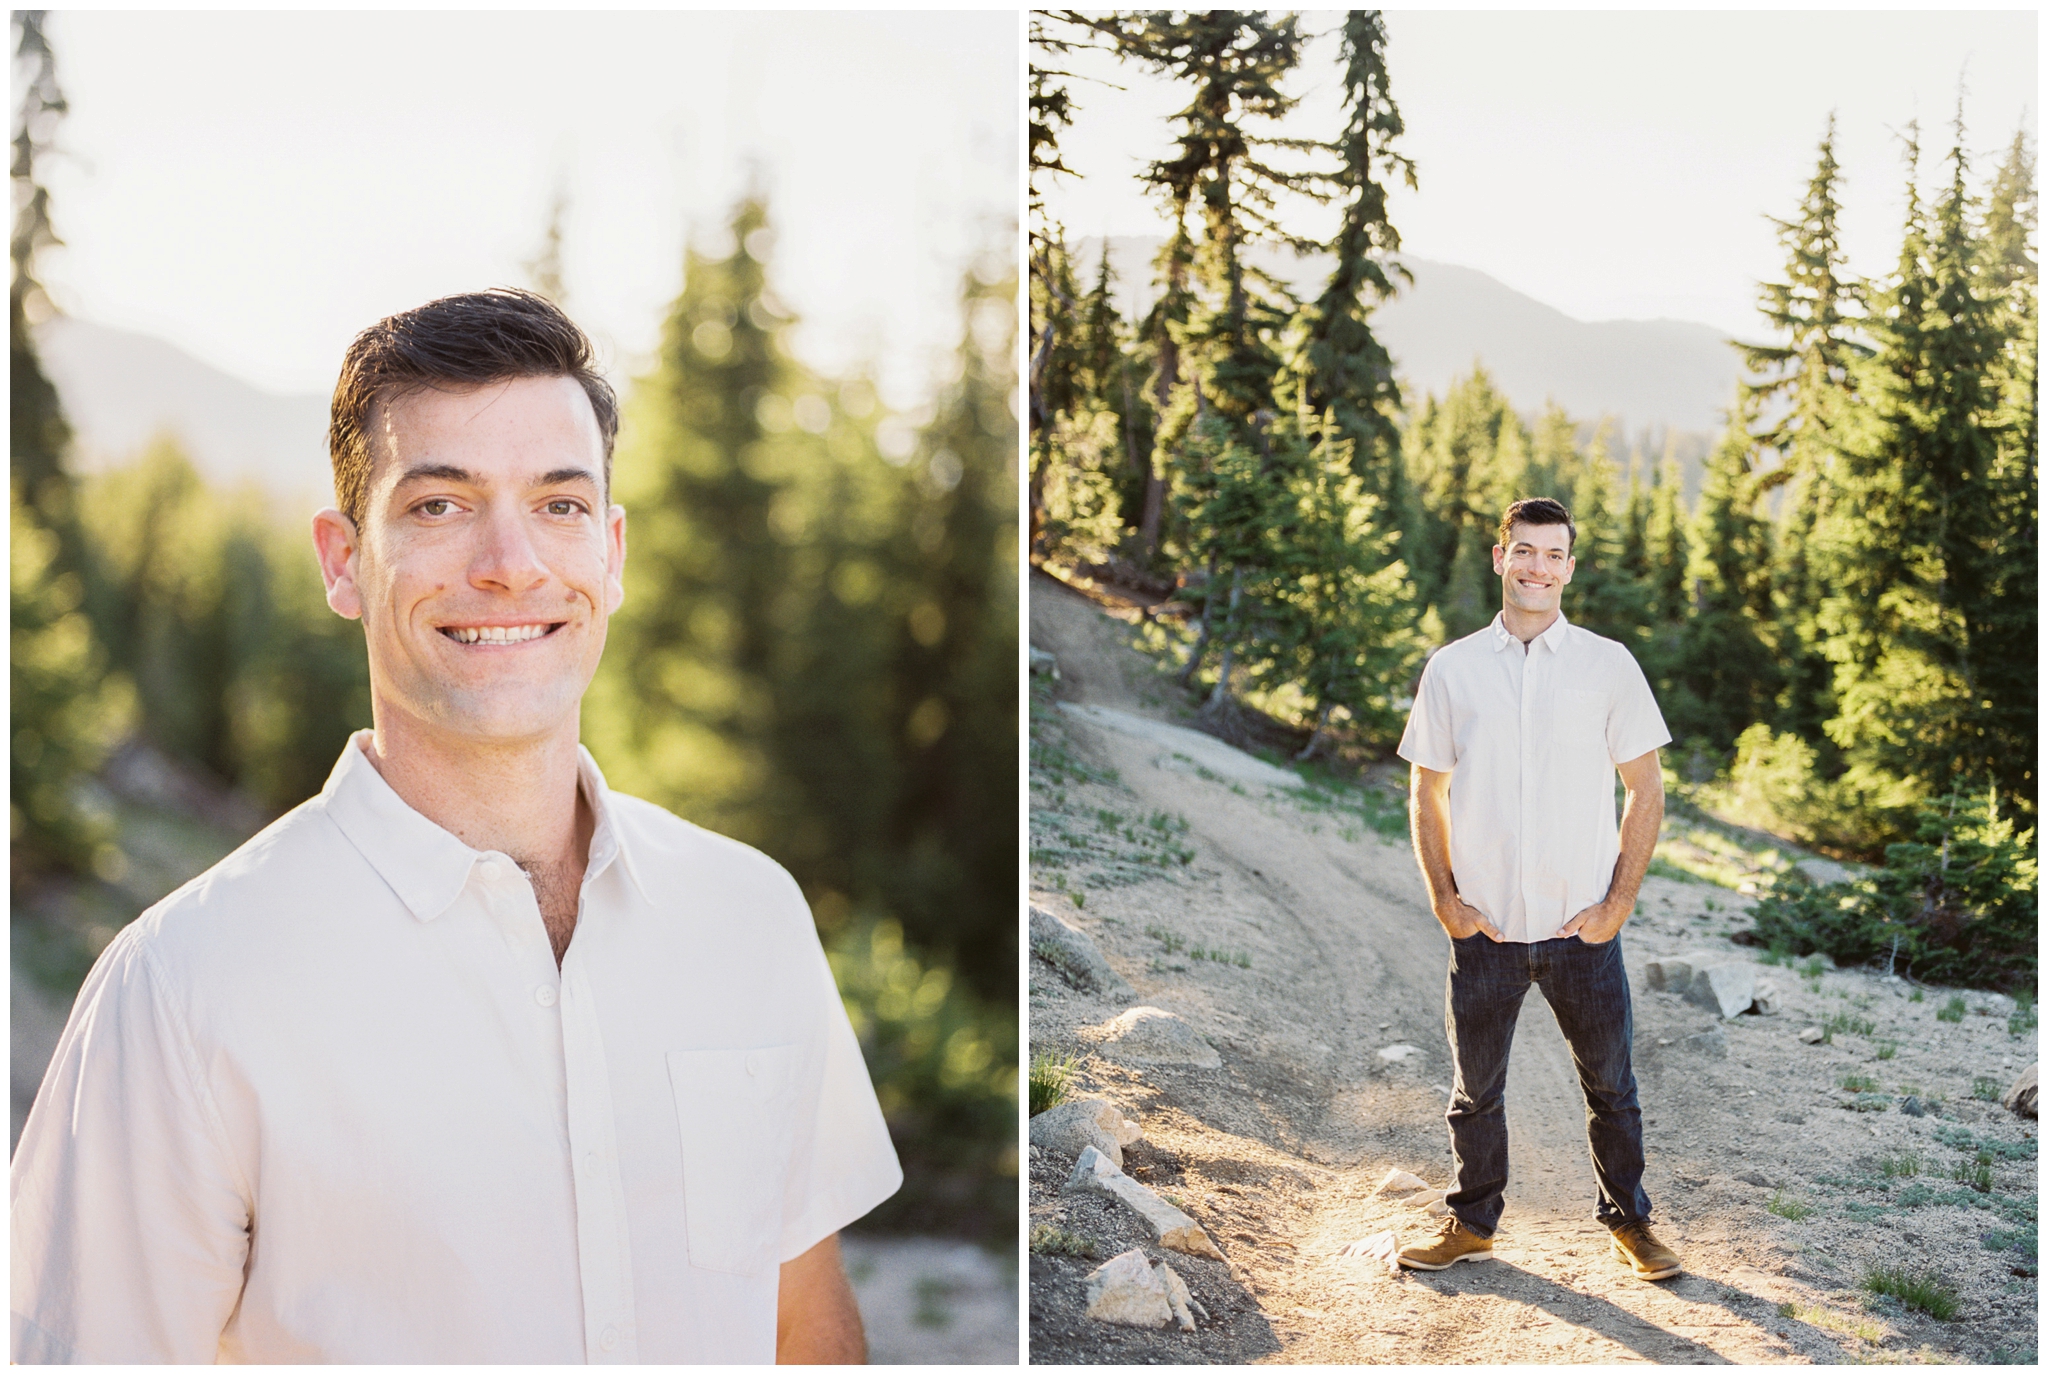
[(467, 1059), (1515, 737)]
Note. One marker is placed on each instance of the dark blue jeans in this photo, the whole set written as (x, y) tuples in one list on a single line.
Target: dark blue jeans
[(1587, 988)]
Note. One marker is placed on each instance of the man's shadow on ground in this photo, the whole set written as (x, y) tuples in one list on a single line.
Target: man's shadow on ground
[(1504, 1280)]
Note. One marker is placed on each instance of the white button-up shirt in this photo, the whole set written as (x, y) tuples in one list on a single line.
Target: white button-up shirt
[(333, 1101), (1530, 740)]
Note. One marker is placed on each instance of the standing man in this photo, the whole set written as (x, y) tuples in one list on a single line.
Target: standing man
[(1515, 737), (467, 1059)]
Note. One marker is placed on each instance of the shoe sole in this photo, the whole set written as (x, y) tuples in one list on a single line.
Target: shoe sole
[(1408, 1264), (1640, 1273)]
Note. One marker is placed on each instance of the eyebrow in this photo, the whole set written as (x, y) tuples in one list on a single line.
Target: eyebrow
[(448, 472), (1524, 544)]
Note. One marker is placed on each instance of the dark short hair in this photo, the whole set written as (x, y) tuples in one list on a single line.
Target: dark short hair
[(455, 344), (1538, 511)]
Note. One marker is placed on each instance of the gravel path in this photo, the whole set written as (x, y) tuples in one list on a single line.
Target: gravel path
[(1329, 954)]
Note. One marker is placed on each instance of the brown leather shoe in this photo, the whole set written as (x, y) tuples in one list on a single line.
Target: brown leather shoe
[(1650, 1258), (1451, 1243)]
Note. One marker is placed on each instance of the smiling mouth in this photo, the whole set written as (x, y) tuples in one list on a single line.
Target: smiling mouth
[(499, 634)]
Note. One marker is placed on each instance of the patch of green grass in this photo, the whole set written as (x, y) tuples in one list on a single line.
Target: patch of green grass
[(2025, 1017), (1813, 968), (1984, 1088), (1927, 1290), (1172, 940), (1813, 1315), (1048, 1240), (1789, 1208), (1859, 1083), (1052, 1079), (1919, 996), (1975, 1173), (1899, 1166), (1952, 1010), (1870, 1102), (1847, 1021), (1887, 1050), (1220, 956)]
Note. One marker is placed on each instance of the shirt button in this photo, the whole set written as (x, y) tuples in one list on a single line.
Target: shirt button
[(609, 1339), (544, 995)]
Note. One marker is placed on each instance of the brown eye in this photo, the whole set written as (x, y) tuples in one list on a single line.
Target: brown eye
[(563, 508), (436, 507)]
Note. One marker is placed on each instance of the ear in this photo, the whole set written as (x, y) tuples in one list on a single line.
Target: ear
[(1500, 566), (334, 541), (1571, 564), (615, 558)]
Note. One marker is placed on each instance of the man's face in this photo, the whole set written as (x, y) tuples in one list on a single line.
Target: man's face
[(1535, 566), (487, 563)]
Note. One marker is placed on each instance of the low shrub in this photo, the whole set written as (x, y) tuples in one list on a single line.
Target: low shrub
[(1052, 1078), (1930, 1291), (1952, 1010), (1048, 1240), (1959, 905), (1790, 1208)]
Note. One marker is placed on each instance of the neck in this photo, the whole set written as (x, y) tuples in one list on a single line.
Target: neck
[(518, 797), (1526, 625)]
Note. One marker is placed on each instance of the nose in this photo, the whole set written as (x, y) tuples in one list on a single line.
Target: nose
[(506, 559)]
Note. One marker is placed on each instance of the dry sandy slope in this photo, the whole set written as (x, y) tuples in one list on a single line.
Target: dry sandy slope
[(1277, 1152)]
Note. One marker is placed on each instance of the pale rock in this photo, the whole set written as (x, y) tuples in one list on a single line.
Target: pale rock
[(1046, 662), (1430, 1201), (1380, 1246), (1726, 990), (1399, 1182), (2022, 1098), (1812, 1035), (1672, 974), (1395, 1055), (1151, 1035), (1073, 953), (1174, 1228), (1766, 1001), (1072, 1127), (1126, 1289), (1185, 1305)]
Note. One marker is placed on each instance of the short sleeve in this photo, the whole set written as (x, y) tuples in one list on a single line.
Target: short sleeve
[(129, 1217), (1429, 739), (1634, 724), (843, 1163)]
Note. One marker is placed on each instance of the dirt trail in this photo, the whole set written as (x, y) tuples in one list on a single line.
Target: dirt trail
[(1328, 955)]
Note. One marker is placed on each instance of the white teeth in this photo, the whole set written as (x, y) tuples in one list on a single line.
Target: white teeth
[(496, 634)]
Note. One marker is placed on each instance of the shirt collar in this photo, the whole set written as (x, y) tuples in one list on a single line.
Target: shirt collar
[(427, 866), (1552, 637)]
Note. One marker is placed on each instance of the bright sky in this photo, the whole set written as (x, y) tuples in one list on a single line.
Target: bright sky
[(257, 187), (1619, 165)]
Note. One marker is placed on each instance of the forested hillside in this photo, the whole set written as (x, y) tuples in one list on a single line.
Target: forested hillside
[(1841, 627)]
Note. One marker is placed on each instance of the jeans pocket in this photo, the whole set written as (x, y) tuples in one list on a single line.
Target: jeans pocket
[(734, 1109)]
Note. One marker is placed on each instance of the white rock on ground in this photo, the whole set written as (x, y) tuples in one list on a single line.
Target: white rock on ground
[(1726, 990), (1072, 951), (1072, 1127), (1670, 974), (1125, 1289), (1400, 1182), (1174, 1228), (1431, 1201), (1185, 1305), (2022, 1098), (1395, 1055), (1151, 1035), (1812, 1035)]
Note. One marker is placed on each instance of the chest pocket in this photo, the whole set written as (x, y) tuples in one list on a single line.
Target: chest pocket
[(736, 1111)]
